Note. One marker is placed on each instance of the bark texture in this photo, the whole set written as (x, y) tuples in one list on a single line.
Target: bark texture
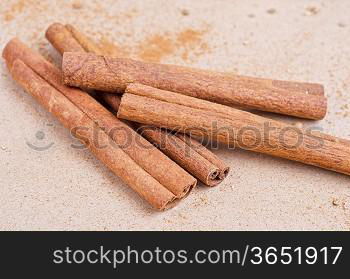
[(220, 123), (104, 73)]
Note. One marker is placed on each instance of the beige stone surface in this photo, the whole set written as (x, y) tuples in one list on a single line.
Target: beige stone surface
[(64, 188)]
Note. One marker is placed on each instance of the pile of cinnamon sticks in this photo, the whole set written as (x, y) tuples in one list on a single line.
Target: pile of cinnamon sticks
[(149, 117)]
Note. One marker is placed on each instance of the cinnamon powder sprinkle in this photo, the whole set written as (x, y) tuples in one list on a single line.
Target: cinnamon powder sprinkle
[(112, 49), (154, 48), (77, 5), (186, 43)]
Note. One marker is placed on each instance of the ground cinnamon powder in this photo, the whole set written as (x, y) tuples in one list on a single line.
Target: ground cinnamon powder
[(112, 49), (185, 43)]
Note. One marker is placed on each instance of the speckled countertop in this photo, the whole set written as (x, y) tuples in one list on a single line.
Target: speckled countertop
[(63, 188)]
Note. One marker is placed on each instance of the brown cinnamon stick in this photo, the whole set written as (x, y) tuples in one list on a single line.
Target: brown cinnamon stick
[(220, 123), (109, 74), (71, 117), (171, 176), (189, 154)]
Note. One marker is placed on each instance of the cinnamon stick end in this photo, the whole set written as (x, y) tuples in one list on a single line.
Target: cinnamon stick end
[(53, 29), (224, 173)]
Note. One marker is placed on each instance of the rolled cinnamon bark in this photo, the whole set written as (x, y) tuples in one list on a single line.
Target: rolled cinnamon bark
[(72, 117), (220, 123), (109, 74), (194, 158), (149, 158)]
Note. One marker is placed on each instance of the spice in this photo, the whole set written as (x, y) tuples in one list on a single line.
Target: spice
[(220, 123), (188, 153), (114, 74), (158, 167)]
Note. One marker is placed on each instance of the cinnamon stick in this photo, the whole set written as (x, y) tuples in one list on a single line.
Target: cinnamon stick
[(71, 117), (188, 153), (109, 74), (171, 176), (220, 123)]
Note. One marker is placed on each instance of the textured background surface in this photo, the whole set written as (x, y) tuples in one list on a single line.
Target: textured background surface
[(63, 188)]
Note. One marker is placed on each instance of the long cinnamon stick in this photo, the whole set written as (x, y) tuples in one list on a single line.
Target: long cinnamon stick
[(188, 153), (109, 74), (171, 176), (186, 114), (71, 117)]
